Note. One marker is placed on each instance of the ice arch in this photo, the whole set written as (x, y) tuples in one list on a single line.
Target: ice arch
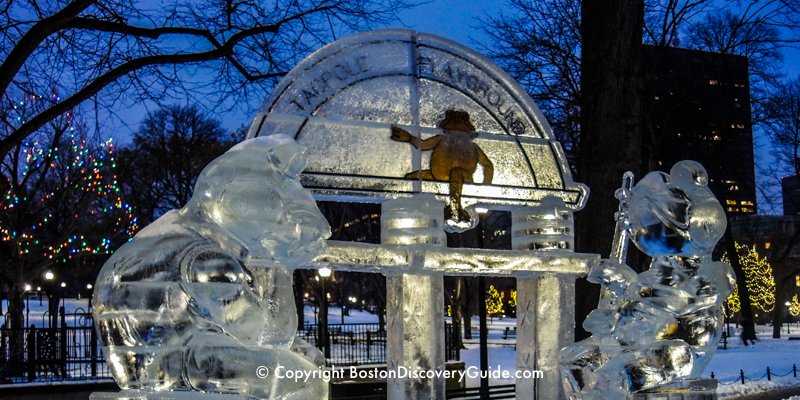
[(341, 100), (342, 103)]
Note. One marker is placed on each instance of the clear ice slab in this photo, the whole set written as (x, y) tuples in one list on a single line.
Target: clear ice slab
[(180, 312), (656, 331)]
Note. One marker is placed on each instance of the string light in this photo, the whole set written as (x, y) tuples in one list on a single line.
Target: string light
[(494, 301), (77, 175), (759, 278), (794, 307)]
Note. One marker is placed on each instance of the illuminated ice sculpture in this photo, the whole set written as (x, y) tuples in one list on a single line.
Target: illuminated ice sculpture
[(656, 331), (418, 124), (180, 314)]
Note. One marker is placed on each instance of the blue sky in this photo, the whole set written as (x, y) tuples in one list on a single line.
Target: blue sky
[(457, 20)]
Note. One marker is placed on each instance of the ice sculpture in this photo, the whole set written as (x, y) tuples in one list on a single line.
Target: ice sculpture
[(656, 330), (177, 309)]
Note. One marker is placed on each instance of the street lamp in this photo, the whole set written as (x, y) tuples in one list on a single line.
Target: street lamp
[(324, 274), (788, 317), (52, 309)]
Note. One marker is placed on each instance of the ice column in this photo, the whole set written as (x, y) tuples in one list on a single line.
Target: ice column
[(546, 302), (414, 312)]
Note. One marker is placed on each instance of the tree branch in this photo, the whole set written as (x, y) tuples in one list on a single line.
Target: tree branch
[(34, 36), (224, 50)]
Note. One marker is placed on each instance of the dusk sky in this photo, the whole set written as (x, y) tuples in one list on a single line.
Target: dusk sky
[(457, 20)]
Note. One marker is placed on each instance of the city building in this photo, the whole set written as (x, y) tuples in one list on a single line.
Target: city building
[(697, 107), (790, 186)]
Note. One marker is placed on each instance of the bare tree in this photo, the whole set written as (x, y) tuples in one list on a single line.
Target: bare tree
[(538, 43), (116, 50), (665, 19), (783, 124), (60, 204), (159, 169)]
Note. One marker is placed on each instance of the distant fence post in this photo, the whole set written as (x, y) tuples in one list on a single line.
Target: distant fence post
[(93, 344), (32, 354), (63, 344)]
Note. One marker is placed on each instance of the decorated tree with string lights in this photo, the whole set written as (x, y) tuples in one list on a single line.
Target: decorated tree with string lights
[(494, 301), (759, 278), (794, 307), (60, 208)]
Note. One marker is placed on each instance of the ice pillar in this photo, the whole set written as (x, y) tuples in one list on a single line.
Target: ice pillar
[(546, 302), (414, 311)]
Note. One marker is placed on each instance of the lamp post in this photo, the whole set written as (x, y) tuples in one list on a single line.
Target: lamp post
[(788, 317), (324, 274), (27, 303), (52, 309), (484, 330)]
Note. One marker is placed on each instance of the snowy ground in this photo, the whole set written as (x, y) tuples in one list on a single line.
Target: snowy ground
[(778, 354), (36, 314)]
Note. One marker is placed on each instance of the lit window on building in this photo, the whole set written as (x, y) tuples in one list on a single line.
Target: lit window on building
[(730, 202), (746, 203), (797, 280), (767, 245)]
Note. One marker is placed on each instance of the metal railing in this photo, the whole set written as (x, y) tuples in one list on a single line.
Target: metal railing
[(51, 354), (365, 343), (73, 352)]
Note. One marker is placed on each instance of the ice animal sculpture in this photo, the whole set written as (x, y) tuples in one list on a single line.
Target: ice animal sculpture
[(661, 326), (179, 311)]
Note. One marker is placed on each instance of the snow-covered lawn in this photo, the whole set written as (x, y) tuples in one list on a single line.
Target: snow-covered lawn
[(778, 354), (36, 315)]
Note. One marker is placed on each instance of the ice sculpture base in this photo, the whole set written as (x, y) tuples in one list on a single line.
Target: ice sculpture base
[(183, 395), (695, 389)]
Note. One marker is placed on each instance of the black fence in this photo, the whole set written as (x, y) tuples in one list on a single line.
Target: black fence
[(69, 352), (73, 352), (357, 344)]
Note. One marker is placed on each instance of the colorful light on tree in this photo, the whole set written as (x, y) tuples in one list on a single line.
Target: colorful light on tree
[(60, 196)]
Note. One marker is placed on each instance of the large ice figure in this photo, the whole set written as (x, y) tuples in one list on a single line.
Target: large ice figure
[(177, 308), (661, 326)]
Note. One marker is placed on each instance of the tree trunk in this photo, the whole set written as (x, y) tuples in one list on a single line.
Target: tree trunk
[(381, 319), (16, 315), (782, 288), (469, 299), (746, 313), (458, 311), (611, 91), (299, 291), (777, 312)]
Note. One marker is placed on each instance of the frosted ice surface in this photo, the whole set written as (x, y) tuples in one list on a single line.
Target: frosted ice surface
[(662, 325), (178, 309), (343, 101)]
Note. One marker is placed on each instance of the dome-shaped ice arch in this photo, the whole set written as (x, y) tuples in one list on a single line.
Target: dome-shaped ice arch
[(341, 101), (341, 104)]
